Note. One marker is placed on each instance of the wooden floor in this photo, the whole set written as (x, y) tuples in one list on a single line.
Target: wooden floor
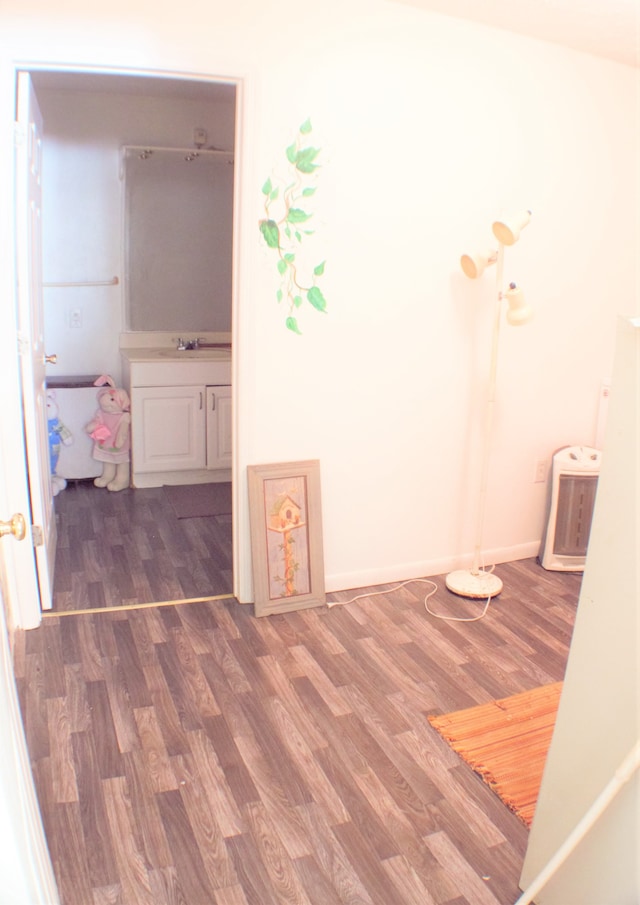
[(192, 754), (128, 547)]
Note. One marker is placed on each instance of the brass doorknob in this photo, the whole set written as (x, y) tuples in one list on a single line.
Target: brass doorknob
[(51, 359), (16, 526)]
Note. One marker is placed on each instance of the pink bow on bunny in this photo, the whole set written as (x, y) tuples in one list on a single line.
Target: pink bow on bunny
[(101, 433)]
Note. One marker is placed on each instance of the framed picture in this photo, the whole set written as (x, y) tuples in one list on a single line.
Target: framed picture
[(286, 536)]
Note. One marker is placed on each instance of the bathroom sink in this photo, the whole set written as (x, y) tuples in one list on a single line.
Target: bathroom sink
[(201, 354)]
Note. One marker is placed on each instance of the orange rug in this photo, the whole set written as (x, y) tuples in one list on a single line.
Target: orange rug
[(506, 742)]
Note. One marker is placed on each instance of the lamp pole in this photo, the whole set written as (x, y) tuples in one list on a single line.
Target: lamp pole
[(491, 584), (477, 583)]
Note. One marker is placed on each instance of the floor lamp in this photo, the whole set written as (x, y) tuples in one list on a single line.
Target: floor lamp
[(476, 582)]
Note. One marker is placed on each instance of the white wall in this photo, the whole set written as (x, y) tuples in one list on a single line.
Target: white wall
[(428, 128)]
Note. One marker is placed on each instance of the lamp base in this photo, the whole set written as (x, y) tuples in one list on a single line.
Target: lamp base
[(478, 585)]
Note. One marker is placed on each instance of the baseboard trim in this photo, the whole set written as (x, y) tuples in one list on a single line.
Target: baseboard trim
[(140, 480), (426, 568)]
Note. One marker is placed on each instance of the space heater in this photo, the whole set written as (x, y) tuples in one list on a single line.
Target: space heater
[(574, 480)]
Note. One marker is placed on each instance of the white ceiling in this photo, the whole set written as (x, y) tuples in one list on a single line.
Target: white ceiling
[(606, 28)]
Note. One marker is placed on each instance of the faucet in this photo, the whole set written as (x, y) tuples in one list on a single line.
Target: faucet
[(188, 344)]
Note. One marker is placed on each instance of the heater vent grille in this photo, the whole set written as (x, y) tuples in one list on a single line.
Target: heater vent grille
[(576, 498), (571, 504)]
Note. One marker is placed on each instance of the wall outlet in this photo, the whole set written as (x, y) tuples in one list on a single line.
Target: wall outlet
[(75, 317), (540, 475), (199, 137)]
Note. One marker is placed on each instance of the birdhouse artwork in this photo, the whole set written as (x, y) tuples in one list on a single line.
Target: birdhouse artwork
[(285, 514), (286, 536)]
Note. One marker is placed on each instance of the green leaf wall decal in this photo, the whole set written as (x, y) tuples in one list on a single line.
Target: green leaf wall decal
[(282, 208), (317, 299), (271, 233), (304, 160), (296, 215)]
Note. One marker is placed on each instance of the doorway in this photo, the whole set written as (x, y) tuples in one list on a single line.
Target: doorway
[(85, 316), (130, 549)]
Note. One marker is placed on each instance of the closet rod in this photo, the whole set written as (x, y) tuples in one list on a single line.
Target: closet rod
[(195, 151), (112, 282)]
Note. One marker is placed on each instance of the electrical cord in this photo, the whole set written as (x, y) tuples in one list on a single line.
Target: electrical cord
[(434, 589)]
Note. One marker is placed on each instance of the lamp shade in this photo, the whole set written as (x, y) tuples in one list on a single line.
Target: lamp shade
[(474, 265), (507, 230), (518, 312)]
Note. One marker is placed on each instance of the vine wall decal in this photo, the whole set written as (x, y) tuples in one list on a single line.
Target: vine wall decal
[(286, 226)]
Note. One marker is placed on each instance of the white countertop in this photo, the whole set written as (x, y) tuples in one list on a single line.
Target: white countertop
[(168, 354)]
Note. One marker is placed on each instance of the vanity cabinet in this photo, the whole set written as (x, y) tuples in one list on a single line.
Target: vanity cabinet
[(169, 432), (180, 420)]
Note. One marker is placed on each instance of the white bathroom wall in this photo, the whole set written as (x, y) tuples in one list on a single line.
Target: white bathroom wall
[(427, 128), (82, 205)]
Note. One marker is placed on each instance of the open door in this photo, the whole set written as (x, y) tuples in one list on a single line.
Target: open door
[(31, 331)]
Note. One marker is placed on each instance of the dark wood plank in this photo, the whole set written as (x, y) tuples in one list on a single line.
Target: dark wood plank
[(69, 854), (97, 841), (106, 739), (189, 866), (151, 839), (203, 820), (135, 882)]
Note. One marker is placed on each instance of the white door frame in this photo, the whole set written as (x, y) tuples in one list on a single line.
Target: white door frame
[(26, 606)]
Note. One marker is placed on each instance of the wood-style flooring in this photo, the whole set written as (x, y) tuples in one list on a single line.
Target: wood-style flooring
[(191, 754), (128, 547)]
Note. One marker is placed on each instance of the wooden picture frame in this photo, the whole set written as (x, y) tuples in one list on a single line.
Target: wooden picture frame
[(286, 536)]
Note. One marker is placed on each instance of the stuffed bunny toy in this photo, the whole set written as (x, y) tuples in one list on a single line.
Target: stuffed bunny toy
[(59, 433), (110, 431)]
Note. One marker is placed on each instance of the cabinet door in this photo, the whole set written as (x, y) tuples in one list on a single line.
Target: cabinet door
[(168, 428), (219, 427)]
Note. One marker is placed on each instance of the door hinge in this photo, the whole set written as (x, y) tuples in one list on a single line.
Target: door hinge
[(19, 135), (24, 345), (37, 535)]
